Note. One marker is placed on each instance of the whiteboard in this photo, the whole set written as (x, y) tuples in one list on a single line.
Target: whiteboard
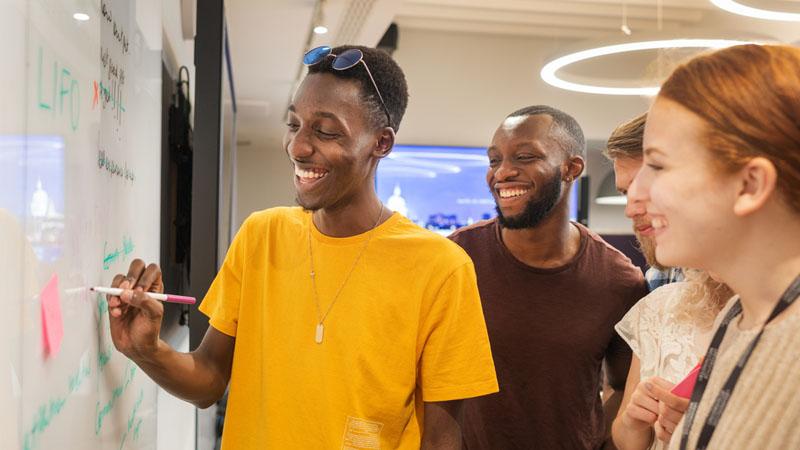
[(80, 171)]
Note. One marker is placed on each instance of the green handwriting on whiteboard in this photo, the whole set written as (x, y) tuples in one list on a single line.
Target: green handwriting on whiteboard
[(61, 89), (110, 257), (103, 358), (44, 415), (104, 354), (115, 394), (52, 408), (76, 380), (137, 428), (127, 246), (133, 419)]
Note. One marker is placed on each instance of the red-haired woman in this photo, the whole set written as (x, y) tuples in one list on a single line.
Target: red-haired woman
[(721, 179)]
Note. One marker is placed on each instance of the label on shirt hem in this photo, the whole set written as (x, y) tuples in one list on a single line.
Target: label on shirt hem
[(361, 434)]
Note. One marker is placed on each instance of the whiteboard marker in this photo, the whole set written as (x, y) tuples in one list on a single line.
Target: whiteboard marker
[(155, 296)]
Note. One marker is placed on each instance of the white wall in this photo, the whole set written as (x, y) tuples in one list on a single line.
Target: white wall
[(463, 85), (177, 51), (264, 178)]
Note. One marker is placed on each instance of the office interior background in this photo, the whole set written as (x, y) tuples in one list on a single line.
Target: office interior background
[(468, 64)]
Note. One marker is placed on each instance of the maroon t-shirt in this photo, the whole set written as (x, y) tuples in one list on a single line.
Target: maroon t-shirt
[(550, 330)]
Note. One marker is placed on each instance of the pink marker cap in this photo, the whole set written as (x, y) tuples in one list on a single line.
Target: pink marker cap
[(181, 299)]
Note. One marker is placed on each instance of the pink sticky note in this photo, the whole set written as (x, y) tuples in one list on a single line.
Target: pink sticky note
[(52, 325)]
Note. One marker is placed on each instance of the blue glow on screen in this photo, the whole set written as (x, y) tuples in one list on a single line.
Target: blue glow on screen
[(440, 188)]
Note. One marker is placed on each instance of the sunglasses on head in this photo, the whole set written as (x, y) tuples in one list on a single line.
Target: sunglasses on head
[(345, 60)]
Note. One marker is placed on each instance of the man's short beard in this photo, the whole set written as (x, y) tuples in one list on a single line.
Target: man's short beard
[(647, 246), (537, 209)]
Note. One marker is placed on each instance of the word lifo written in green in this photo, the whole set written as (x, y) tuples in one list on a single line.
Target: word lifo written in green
[(62, 90)]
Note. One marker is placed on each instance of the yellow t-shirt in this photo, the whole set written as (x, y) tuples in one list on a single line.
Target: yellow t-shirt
[(407, 327)]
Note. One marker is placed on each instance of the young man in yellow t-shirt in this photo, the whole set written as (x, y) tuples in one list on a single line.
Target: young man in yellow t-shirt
[(338, 324)]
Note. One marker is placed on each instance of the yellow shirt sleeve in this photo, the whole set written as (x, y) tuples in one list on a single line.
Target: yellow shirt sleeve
[(456, 360), (221, 303)]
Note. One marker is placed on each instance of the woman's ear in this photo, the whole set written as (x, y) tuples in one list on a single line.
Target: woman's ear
[(385, 142), (758, 179)]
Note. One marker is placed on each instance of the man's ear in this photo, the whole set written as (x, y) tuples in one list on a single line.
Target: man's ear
[(385, 142), (574, 168), (758, 181)]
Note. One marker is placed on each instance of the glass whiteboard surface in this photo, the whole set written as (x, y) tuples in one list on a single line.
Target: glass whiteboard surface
[(80, 140)]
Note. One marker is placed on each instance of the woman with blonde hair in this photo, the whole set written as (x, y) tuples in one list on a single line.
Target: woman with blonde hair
[(721, 179), (668, 331)]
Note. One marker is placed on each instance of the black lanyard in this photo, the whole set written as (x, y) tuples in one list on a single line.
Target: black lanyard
[(710, 425)]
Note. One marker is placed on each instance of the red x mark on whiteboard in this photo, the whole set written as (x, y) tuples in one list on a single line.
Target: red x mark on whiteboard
[(96, 95)]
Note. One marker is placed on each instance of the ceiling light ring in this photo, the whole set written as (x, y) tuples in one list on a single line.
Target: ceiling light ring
[(737, 8), (548, 72)]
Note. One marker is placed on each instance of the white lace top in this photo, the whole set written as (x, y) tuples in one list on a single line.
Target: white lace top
[(666, 346)]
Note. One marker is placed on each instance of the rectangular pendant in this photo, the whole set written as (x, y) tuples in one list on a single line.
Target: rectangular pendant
[(320, 332)]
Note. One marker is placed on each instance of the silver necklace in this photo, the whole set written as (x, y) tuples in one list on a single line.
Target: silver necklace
[(320, 330)]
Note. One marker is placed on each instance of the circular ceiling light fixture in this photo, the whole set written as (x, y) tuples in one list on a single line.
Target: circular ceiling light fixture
[(550, 69), (81, 17), (758, 13)]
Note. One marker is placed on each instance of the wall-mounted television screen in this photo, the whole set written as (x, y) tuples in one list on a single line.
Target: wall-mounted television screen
[(441, 188)]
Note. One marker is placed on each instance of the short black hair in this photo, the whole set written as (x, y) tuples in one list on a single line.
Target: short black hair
[(388, 76), (565, 130)]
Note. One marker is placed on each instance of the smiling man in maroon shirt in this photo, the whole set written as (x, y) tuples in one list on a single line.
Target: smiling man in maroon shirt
[(551, 292)]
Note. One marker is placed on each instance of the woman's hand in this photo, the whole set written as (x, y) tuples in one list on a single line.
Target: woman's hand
[(642, 411), (670, 409)]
